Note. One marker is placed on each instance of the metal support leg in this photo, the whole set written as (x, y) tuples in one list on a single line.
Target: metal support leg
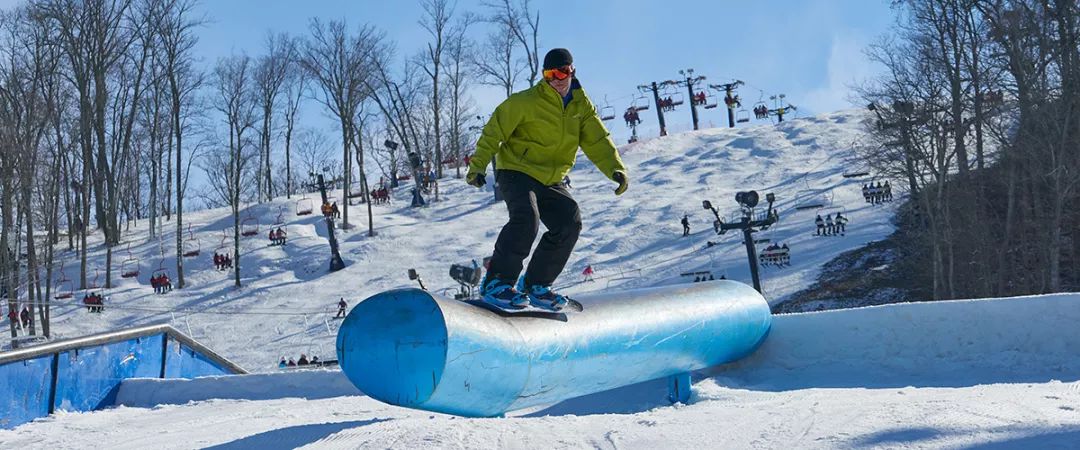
[(679, 388)]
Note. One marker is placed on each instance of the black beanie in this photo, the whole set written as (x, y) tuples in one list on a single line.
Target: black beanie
[(557, 57)]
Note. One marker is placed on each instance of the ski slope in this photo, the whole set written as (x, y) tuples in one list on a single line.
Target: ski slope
[(996, 373), (631, 241)]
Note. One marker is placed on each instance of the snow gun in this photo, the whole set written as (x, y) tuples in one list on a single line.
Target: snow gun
[(413, 348)]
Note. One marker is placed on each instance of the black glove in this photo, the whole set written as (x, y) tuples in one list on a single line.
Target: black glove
[(620, 178), (476, 179)]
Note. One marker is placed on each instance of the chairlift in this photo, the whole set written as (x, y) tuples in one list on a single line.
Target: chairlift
[(808, 199), (192, 247), (304, 206), (606, 113), (249, 226), (742, 116), (65, 289), (356, 190), (129, 268), (640, 103), (710, 101)]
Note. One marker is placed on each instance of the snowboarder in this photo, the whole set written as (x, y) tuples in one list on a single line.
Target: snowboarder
[(273, 237), (282, 364), (785, 255), (820, 225), (888, 191), (534, 136), (685, 225), (335, 211), (840, 221), (866, 193), (830, 226), (341, 306), (26, 318), (281, 236), (291, 363)]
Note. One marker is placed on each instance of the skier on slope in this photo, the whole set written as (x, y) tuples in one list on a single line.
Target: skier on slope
[(685, 225), (534, 136)]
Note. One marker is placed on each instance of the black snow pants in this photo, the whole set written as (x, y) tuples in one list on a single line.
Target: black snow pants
[(529, 202)]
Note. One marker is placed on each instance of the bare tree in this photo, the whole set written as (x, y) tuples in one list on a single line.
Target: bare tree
[(458, 52), (271, 71), (338, 63), (436, 21), (295, 86), (175, 24), (522, 25), (235, 100)]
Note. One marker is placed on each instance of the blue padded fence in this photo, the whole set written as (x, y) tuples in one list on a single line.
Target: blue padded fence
[(84, 374)]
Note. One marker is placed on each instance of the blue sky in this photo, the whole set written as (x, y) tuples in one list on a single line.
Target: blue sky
[(810, 50)]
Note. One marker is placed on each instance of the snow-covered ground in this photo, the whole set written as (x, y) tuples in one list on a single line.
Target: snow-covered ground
[(998, 373)]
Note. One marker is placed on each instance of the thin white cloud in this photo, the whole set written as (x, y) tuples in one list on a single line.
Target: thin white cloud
[(847, 66)]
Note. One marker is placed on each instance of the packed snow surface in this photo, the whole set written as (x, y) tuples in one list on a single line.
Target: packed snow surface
[(997, 373)]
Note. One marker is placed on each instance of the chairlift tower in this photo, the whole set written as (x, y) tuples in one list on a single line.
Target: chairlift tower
[(729, 92), (747, 201), (336, 262), (690, 81), (780, 110)]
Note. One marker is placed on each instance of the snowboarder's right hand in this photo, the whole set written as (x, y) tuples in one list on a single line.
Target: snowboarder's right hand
[(477, 179)]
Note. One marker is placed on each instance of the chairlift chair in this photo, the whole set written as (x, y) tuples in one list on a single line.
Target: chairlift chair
[(606, 113), (742, 116), (640, 103), (249, 226), (356, 190), (304, 206), (809, 200), (710, 101), (129, 268), (192, 247)]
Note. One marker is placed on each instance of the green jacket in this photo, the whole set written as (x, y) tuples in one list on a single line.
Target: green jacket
[(531, 132)]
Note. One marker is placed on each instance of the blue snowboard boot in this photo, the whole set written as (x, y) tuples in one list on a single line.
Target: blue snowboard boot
[(502, 294), (543, 297)]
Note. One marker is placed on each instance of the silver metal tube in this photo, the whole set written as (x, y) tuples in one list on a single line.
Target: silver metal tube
[(411, 348)]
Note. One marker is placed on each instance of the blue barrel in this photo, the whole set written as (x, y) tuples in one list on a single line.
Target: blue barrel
[(408, 347)]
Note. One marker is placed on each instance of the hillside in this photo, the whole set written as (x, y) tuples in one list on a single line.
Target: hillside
[(634, 240)]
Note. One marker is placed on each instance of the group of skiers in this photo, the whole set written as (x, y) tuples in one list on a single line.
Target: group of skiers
[(331, 210), (161, 283), (875, 194), (94, 302), (278, 236), (700, 98), (667, 104), (222, 261), (631, 116), (830, 226), (761, 112), (380, 196), (776, 255), (21, 320), (303, 361)]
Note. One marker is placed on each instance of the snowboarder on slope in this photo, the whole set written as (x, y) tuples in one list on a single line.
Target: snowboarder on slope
[(341, 305), (685, 225), (534, 136)]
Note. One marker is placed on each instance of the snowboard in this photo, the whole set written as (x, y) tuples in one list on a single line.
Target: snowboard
[(572, 306)]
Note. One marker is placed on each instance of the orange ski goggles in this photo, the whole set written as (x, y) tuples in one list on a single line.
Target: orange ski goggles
[(559, 73)]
